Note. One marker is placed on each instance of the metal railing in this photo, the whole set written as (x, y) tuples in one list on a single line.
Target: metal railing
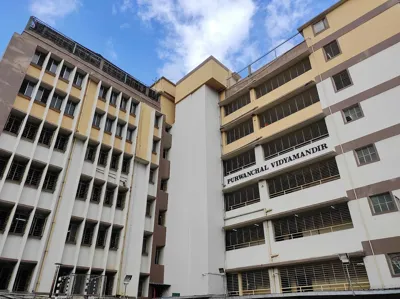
[(345, 286), (246, 244), (257, 292)]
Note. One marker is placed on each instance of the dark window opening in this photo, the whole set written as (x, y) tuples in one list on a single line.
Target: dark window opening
[(242, 237), (237, 104), (239, 131), (342, 80), (239, 162), (242, 197), (38, 225), (88, 232)]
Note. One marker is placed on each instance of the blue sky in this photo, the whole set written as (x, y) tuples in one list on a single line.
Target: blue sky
[(151, 38)]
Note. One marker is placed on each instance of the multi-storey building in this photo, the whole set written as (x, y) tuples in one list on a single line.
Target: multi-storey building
[(284, 180)]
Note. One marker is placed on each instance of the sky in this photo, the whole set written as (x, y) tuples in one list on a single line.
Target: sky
[(154, 38)]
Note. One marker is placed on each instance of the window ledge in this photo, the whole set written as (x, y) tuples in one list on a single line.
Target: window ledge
[(39, 67), (59, 150), (40, 103), (70, 116), (16, 234), (107, 205), (81, 199), (108, 133), (48, 191), (101, 99), (132, 114), (64, 80), (119, 208), (55, 109), (50, 73), (114, 105), (119, 137), (129, 141), (113, 249), (94, 201), (70, 242), (77, 86), (24, 96), (86, 245), (100, 247), (95, 127), (35, 237), (121, 109)]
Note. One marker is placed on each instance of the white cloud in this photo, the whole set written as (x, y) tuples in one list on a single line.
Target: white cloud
[(114, 9), (197, 29), (110, 50), (52, 10), (126, 5), (125, 26)]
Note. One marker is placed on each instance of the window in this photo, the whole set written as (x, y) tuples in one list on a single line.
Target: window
[(295, 140), (144, 245), (353, 113), (3, 164), (331, 50), (102, 236), (96, 193), (109, 123), (114, 161), (109, 196), (114, 242), (23, 277), (164, 185), (42, 95), (19, 222), (65, 72), (242, 237), (342, 80), (97, 119), (13, 124), (61, 141), (52, 65), (70, 108), (82, 190), (78, 79), (319, 221), (239, 162), (242, 197), (113, 98), (154, 147), (103, 92), (50, 180), (133, 108), (4, 214), (394, 259), (103, 157), (45, 136), (320, 26), (120, 128), (34, 176), (38, 223), (161, 218), (237, 104), (121, 199), (27, 88), (383, 203), (239, 131), (129, 134), (88, 232), (306, 177), (72, 231), (124, 102), (30, 131), (367, 154), (16, 171), (157, 256), (157, 121), (125, 165), (256, 282), (232, 283), (56, 101), (289, 107), (151, 176), (165, 153), (38, 58), (140, 286), (90, 152), (283, 77), (148, 209)]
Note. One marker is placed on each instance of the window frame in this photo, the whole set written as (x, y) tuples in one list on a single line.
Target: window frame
[(109, 123), (50, 64), (27, 84), (347, 86), (329, 44), (56, 102), (390, 263), (129, 134), (13, 226), (68, 108), (78, 78), (343, 112), (50, 175), (35, 223), (97, 117), (65, 68), (40, 61), (371, 204), (324, 20), (355, 152), (44, 92)]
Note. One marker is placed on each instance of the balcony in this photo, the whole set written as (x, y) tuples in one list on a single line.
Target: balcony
[(157, 273), (162, 200), (166, 140), (164, 168)]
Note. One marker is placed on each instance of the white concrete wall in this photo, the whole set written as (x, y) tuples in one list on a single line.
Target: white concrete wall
[(195, 239)]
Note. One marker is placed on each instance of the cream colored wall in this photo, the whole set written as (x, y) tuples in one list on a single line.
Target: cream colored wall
[(168, 109), (341, 16), (85, 119), (33, 71), (145, 124), (37, 110), (52, 117), (21, 104), (164, 85), (61, 85)]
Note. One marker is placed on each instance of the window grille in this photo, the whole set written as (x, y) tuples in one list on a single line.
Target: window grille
[(19, 222), (50, 181), (38, 223), (256, 282), (101, 236), (30, 131), (88, 232), (38, 58), (295, 140), (325, 276), (239, 131), (3, 164), (56, 101), (353, 113), (283, 77), (113, 98), (383, 203), (109, 196), (306, 177), (4, 214), (242, 197), (45, 136), (72, 232), (367, 154), (121, 200), (289, 107), (16, 171), (237, 104), (23, 277), (114, 161), (96, 193), (103, 157), (61, 142), (125, 165), (34, 176), (27, 88), (90, 152), (13, 124), (316, 222), (97, 120), (394, 259), (114, 242), (232, 284), (6, 270), (70, 108), (332, 50), (83, 188), (242, 237), (42, 95), (120, 128), (239, 162), (342, 80)]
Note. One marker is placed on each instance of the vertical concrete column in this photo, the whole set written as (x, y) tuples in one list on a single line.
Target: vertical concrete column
[(259, 152), (264, 194), (252, 95), (275, 281), (240, 284)]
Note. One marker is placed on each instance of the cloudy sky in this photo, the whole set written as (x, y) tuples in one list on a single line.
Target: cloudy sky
[(153, 38)]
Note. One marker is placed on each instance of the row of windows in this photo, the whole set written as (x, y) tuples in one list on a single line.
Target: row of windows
[(20, 221), (109, 125), (239, 131), (237, 104), (242, 197), (244, 237), (103, 158), (239, 162)]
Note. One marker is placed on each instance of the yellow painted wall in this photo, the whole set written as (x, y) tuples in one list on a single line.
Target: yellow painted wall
[(168, 109), (154, 159), (112, 110), (37, 110), (48, 79), (156, 132), (85, 120), (377, 30), (341, 16), (118, 143), (122, 115), (75, 92), (144, 129), (128, 147), (94, 134), (67, 122), (101, 105), (21, 104), (208, 71), (106, 139), (52, 117), (164, 85), (274, 128), (33, 72), (61, 85), (132, 119)]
